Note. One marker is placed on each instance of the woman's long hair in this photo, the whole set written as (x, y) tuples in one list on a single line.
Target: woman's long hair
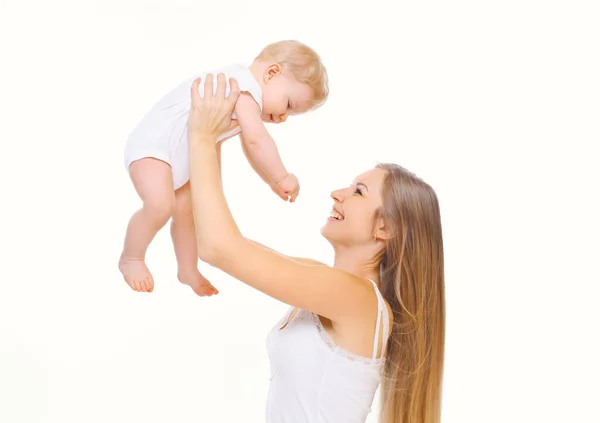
[(412, 281)]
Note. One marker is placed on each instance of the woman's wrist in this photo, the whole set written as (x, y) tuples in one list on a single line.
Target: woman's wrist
[(202, 138), (202, 151)]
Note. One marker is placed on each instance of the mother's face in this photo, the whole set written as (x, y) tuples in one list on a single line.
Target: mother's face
[(351, 220)]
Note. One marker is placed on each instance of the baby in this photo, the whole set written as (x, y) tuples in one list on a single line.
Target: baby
[(286, 78)]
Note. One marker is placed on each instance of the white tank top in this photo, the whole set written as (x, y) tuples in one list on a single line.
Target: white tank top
[(313, 380)]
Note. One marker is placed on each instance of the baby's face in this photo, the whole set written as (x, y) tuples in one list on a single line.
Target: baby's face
[(283, 96)]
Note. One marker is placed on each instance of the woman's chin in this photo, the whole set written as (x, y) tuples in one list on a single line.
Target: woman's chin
[(328, 231)]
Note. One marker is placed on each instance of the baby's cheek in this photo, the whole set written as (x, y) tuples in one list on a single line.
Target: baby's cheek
[(267, 105)]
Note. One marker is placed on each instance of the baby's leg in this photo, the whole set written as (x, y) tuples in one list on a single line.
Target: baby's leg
[(183, 234), (153, 182)]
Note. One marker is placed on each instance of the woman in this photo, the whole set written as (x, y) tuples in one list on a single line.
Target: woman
[(378, 310)]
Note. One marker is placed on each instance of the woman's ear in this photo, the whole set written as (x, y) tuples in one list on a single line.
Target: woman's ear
[(382, 231)]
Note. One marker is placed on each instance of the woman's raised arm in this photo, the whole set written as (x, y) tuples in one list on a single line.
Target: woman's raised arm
[(324, 290)]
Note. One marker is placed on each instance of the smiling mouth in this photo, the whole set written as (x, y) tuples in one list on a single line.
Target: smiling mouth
[(336, 215)]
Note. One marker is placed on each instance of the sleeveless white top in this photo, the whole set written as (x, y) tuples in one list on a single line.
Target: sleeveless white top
[(313, 380)]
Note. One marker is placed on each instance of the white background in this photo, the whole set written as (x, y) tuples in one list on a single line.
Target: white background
[(495, 104)]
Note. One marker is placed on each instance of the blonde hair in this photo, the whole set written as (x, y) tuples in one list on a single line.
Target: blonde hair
[(303, 63), (412, 281)]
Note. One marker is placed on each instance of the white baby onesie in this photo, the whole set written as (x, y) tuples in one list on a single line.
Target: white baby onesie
[(162, 133)]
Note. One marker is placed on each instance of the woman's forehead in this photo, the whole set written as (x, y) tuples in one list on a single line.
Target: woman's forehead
[(373, 177)]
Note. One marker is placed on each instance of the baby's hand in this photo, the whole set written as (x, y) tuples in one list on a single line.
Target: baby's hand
[(290, 186), (275, 188)]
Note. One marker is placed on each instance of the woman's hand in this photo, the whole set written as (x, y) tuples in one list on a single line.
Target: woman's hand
[(210, 116)]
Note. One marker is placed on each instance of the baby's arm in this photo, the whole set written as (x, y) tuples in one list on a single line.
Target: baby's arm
[(259, 147), (261, 172)]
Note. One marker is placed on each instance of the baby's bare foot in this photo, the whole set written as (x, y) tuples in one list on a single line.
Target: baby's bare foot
[(199, 284), (136, 274)]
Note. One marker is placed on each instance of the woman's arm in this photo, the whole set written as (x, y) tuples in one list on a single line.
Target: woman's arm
[(326, 291), (301, 260)]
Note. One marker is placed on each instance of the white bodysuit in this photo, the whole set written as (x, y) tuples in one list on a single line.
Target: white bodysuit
[(162, 133), (315, 381)]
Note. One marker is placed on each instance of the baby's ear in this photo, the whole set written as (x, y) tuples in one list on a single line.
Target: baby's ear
[(272, 71)]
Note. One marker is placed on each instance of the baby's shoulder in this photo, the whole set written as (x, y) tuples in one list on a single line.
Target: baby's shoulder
[(235, 70), (245, 79)]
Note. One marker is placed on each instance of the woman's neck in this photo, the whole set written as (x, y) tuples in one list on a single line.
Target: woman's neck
[(354, 262)]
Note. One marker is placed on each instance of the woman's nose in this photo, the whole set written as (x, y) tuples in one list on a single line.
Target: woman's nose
[(338, 195)]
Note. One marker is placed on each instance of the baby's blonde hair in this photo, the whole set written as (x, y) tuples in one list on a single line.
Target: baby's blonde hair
[(303, 63)]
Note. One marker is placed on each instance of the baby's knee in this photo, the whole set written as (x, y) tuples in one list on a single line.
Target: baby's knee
[(160, 207)]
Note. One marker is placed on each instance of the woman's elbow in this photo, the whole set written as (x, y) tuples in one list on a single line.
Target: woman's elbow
[(213, 253), (208, 253)]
